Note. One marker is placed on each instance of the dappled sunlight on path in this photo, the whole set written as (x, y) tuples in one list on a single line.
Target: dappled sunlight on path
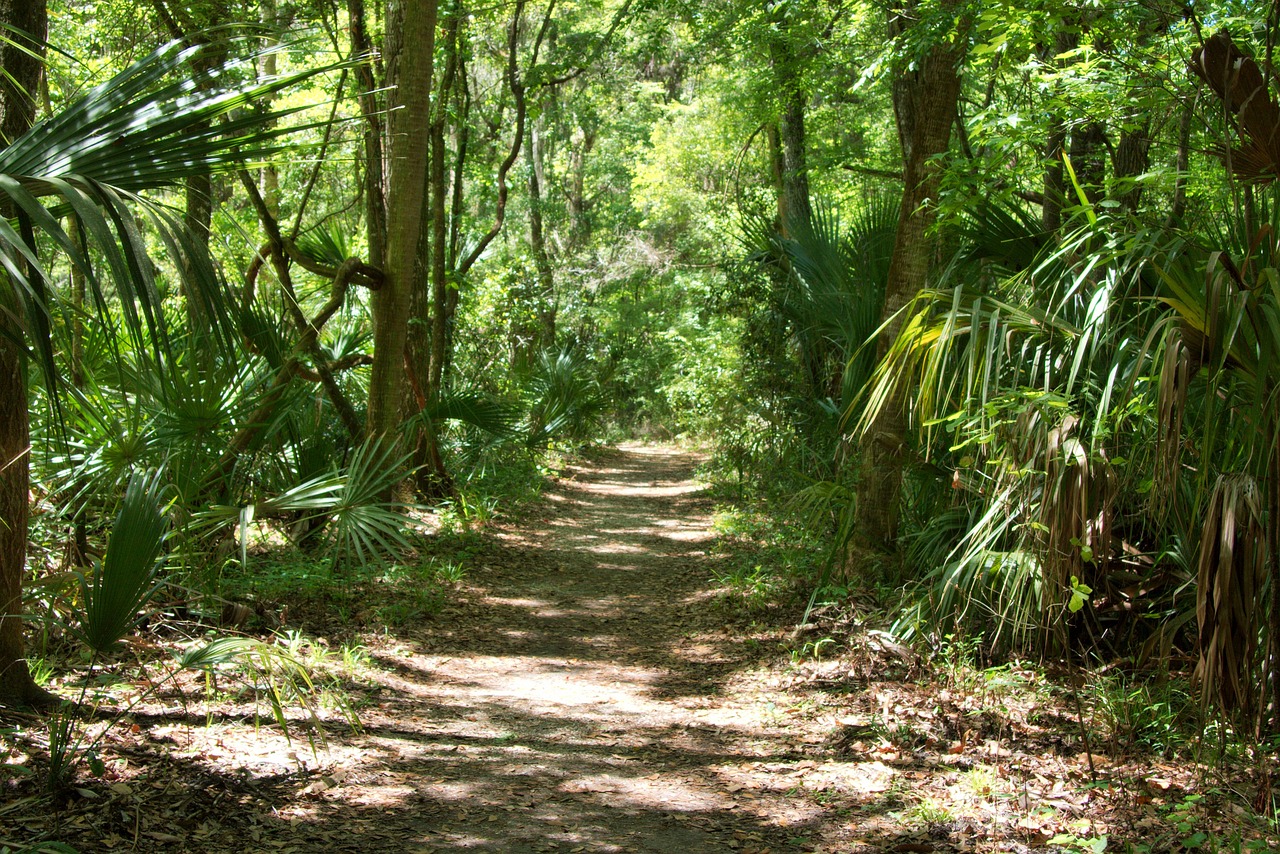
[(562, 708)]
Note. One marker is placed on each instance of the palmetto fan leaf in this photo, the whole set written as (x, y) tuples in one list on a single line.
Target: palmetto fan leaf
[(124, 581), (184, 125), (147, 127)]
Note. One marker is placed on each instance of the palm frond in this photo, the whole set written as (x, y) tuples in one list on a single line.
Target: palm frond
[(155, 123), (121, 585), (147, 127)]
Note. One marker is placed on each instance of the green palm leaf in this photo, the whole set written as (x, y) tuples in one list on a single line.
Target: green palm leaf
[(122, 584), (147, 127)]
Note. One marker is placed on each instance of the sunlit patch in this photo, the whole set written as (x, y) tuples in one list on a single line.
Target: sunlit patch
[(518, 603), (656, 792)]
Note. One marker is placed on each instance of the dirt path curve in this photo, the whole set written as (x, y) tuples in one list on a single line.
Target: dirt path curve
[(571, 705)]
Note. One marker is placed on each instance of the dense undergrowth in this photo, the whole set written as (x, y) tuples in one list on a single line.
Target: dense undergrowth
[(1125, 724)]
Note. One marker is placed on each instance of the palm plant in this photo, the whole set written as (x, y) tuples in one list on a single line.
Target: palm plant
[(124, 581), (565, 397), (148, 127), (1224, 334), (831, 290), (1028, 389)]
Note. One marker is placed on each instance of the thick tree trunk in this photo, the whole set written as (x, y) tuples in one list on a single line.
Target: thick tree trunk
[(793, 204), (1089, 159), (1131, 159), (18, 87), (924, 101), (412, 25)]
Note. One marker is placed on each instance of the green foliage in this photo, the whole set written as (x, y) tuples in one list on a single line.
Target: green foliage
[(125, 580), (275, 669), (367, 528), (1159, 715), (565, 398)]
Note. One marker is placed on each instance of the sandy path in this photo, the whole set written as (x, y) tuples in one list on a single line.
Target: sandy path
[(573, 706)]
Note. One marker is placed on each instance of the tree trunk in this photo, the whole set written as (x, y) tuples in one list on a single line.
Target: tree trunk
[(791, 167), (375, 201), (18, 86), (1181, 164), (411, 30), (794, 205), (197, 219), (924, 101), (1131, 160), (579, 228), (1089, 159), (544, 298), (270, 175), (440, 220)]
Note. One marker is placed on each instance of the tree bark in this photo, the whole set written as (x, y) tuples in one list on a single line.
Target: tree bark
[(411, 31), (794, 204), (924, 102), (1182, 163), (791, 168), (18, 87), (544, 299), (1131, 160), (1089, 159), (375, 200)]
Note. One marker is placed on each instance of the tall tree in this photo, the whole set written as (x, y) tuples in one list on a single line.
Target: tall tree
[(925, 93), (787, 137), (411, 34), (20, 68)]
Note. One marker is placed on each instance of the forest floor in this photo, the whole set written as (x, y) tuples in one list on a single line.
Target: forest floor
[(588, 688)]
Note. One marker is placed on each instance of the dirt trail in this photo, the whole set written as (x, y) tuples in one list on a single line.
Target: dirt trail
[(570, 707)]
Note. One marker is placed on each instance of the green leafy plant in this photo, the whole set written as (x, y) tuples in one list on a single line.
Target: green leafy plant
[(118, 587)]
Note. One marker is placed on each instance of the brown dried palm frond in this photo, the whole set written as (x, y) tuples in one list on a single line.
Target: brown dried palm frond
[(1075, 514), (1229, 604), (1238, 82), (1176, 371)]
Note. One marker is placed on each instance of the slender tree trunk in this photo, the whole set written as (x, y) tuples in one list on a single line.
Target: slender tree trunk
[(579, 229), (18, 87), (78, 551), (924, 101), (1182, 162), (375, 200), (440, 217), (544, 300), (270, 176), (795, 206), (197, 219), (411, 30), (791, 167)]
